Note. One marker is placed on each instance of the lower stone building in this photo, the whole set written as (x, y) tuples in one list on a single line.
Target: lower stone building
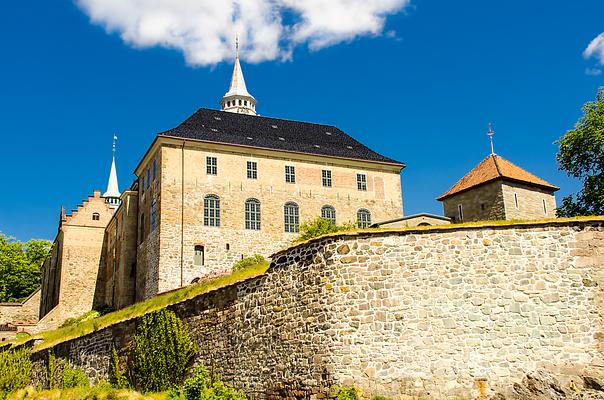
[(496, 189)]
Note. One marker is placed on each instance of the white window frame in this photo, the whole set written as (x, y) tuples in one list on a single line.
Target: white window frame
[(252, 170), (211, 165), (361, 181), (326, 178), (290, 174), (253, 214)]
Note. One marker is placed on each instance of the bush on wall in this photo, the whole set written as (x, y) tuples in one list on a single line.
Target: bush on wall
[(15, 370), (162, 352)]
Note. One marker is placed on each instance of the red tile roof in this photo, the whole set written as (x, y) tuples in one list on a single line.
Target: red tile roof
[(496, 167)]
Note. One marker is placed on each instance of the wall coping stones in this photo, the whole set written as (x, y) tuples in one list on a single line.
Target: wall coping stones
[(544, 223)]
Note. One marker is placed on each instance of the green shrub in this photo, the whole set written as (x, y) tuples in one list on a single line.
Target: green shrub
[(347, 393), (379, 397), (319, 227), (73, 378), (206, 386), (52, 369), (162, 352), (248, 262), (15, 370), (116, 378)]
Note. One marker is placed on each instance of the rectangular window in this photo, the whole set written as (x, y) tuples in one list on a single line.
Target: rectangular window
[(252, 170), (362, 182), (460, 212), (290, 174), (199, 257), (516, 199), (153, 215), (252, 214), (154, 169), (143, 184), (211, 166), (326, 176), (141, 229), (149, 176), (544, 207)]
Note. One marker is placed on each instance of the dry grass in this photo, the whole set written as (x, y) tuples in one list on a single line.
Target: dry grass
[(100, 392), (52, 338)]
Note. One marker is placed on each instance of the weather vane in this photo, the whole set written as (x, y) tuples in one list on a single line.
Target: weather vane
[(490, 134)]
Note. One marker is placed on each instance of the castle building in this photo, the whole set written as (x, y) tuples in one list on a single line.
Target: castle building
[(496, 189)]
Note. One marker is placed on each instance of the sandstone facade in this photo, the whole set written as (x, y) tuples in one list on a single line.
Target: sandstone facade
[(435, 312), (171, 233), (69, 274)]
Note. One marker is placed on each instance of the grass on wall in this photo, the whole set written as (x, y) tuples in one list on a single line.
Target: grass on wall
[(51, 338), (100, 392)]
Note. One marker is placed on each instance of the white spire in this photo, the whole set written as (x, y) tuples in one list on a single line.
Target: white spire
[(112, 195), (238, 99)]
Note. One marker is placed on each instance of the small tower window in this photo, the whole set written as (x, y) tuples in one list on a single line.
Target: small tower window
[(460, 212), (544, 207), (239, 101), (154, 169), (149, 176), (97, 216), (245, 103), (199, 257), (516, 199), (363, 218)]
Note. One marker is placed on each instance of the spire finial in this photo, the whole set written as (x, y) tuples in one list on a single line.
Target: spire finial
[(490, 134), (113, 146), (237, 46)]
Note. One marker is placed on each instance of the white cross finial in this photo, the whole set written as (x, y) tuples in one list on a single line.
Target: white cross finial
[(490, 134)]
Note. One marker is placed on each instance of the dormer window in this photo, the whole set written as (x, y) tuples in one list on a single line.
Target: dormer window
[(96, 216)]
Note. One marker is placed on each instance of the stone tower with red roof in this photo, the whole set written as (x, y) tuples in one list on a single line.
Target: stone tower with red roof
[(496, 189)]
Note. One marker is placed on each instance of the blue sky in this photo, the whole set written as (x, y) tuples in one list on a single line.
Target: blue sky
[(421, 89)]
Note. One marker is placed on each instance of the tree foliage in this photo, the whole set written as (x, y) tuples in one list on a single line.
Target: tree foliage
[(20, 267), (162, 352), (581, 155)]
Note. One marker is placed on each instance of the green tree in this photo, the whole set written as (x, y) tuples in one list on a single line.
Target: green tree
[(319, 227), (20, 267), (581, 155)]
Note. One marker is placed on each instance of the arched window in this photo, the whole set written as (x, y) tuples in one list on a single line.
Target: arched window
[(199, 257), (211, 210), (96, 216), (328, 212), (363, 218), (252, 214), (291, 214)]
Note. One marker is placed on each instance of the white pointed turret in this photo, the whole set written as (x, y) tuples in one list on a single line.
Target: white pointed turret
[(238, 99), (112, 195)]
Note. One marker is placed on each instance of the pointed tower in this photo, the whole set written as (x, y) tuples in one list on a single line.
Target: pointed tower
[(112, 195), (237, 99)]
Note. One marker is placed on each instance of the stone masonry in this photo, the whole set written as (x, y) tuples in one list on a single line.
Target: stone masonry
[(425, 312)]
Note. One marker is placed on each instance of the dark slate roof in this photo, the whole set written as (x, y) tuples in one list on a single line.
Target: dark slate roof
[(273, 133)]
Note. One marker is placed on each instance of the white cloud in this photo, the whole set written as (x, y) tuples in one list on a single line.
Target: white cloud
[(596, 49), (593, 71), (204, 30)]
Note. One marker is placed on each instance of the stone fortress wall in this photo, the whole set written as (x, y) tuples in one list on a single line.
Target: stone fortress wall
[(425, 312)]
